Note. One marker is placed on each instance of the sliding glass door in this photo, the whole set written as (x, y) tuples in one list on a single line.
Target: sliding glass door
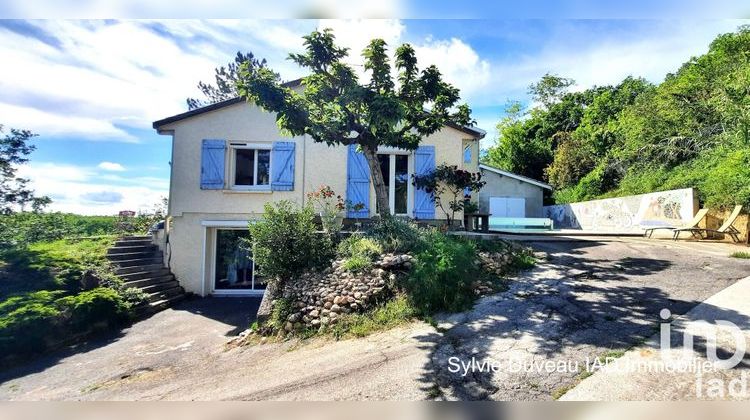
[(234, 268)]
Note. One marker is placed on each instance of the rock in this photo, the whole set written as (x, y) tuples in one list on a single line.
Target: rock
[(327, 305), (337, 300), (350, 299), (289, 326), (315, 322), (314, 313), (335, 308)]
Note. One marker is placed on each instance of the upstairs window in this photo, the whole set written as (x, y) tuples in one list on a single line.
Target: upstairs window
[(251, 166)]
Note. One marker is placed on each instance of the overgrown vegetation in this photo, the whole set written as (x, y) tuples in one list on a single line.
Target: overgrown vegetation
[(50, 291), (691, 130), (359, 252), (740, 254), (23, 228), (286, 241), (392, 313), (443, 275)]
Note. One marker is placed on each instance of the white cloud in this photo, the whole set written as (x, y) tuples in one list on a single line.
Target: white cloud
[(650, 53), (108, 77), (458, 62), (111, 166), (83, 190), (356, 34), (52, 123)]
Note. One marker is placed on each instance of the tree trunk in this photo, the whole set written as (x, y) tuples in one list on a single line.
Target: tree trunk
[(381, 192)]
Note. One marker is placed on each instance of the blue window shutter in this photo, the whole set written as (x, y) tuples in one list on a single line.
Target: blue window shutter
[(282, 166), (424, 163), (357, 182), (467, 154), (212, 164)]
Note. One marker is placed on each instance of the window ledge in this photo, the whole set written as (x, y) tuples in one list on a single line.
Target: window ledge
[(263, 191)]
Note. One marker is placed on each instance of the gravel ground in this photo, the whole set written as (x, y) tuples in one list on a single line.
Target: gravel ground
[(588, 298)]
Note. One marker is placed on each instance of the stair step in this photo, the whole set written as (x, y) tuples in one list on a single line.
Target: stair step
[(165, 294), (145, 274), (162, 304), (136, 242), (139, 262), (124, 271), (119, 249), (134, 238), (161, 286), (132, 255), (142, 283)]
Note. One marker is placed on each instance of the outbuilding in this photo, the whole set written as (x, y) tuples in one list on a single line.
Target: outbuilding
[(510, 195)]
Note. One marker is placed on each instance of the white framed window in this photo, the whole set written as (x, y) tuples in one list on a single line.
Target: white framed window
[(250, 166), (397, 167)]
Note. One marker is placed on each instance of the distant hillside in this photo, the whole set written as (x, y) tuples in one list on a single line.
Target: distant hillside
[(692, 130)]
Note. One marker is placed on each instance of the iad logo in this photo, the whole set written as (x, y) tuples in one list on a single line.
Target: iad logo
[(711, 334)]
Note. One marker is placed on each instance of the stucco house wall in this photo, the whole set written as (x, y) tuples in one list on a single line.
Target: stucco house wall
[(498, 185), (195, 213)]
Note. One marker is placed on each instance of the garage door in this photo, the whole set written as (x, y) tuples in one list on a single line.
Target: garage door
[(507, 207)]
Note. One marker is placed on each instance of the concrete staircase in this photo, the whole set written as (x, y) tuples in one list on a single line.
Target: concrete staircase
[(139, 264)]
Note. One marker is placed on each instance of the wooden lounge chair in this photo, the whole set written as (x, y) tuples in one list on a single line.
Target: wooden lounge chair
[(725, 229), (693, 224)]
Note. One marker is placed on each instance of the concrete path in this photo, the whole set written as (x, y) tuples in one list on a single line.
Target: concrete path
[(591, 297), (640, 374)]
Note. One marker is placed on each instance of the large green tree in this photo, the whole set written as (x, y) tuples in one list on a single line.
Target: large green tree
[(337, 108), (14, 191)]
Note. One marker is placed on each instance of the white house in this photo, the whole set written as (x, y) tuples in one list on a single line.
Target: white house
[(229, 159)]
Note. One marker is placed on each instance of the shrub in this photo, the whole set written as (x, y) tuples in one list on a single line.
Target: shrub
[(396, 235), (359, 252), (450, 184), (29, 322), (42, 301), (101, 305), (740, 254), (441, 279), (286, 242)]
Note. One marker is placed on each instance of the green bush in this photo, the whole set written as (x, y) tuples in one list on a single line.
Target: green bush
[(101, 305), (28, 323), (286, 241), (359, 252), (396, 235), (42, 300), (441, 279)]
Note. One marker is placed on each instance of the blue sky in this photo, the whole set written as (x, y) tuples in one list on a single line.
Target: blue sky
[(91, 89)]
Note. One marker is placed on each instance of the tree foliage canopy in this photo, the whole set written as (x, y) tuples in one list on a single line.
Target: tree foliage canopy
[(337, 108), (14, 191), (225, 81), (691, 130)]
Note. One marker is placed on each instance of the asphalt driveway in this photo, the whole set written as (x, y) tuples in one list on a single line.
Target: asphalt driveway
[(589, 298)]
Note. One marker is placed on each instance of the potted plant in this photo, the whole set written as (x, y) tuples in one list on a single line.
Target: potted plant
[(330, 208)]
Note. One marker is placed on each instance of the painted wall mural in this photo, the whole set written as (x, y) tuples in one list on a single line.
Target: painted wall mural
[(626, 214)]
